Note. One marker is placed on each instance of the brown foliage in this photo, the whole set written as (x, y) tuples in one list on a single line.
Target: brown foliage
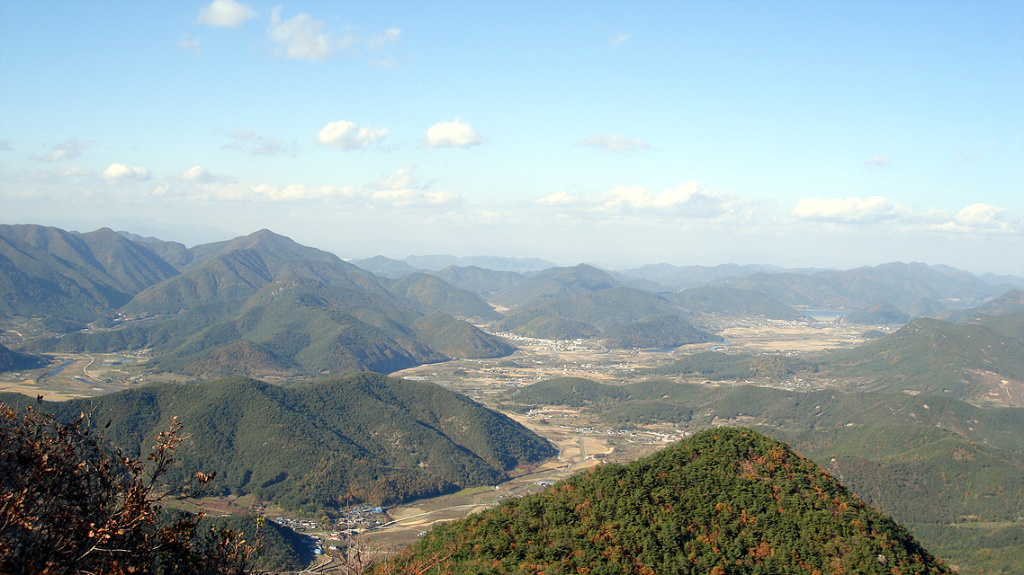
[(70, 503)]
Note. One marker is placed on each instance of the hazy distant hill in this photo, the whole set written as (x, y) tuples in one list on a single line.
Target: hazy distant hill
[(386, 267), (881, 313), (724, 501), (676, 277), (624, 317), (730, 301), (496, 263), (479, 280), (49, 272), (1007, 303), (897, 283), (554, 284), (434, 294), (301, 306), (365, 438)]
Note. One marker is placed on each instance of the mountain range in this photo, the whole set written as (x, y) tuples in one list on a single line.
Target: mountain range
[(263, 304)]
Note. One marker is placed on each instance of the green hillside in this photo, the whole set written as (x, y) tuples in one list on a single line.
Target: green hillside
[(553, 284), (479, 280), (625, 317), (362, 438), (435, 295), (724, 501), (306, 309), (49, 272), (933, 356)]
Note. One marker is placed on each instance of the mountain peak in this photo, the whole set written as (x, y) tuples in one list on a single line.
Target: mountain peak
[(724, 501)]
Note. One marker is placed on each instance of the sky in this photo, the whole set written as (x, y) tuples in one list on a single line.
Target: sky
[(824, 134)]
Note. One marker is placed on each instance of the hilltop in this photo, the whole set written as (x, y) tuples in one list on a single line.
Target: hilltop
[(724, 501)]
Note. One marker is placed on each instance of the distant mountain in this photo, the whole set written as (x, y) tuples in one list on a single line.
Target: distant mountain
[(723, 501), (301, 306), (897, 283), (730, 301), (386, 267), (479, 280), (366, 438), (676, 277), (881, 313), (80, 278), (554, 284), (496, 263), (1009, 302), (434, 295), (16, 361), (624, 317)]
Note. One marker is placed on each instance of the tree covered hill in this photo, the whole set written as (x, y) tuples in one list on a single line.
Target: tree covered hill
[(305, 309), (553, 284), (922, 458), (363, 438), (730, 301), (13, 361), (435, 295), (71, 277), (725, 501), (624, 317)]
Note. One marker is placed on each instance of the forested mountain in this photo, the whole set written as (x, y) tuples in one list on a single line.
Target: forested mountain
[(497, 263), (554, 284), (624, 317), (304, 309), (363, 438), (934, 356), (435, 295), (724, 501), (929, 460), (72, 277), (479, 280)]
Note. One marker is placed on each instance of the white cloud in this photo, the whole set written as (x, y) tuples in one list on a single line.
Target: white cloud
[(303, 38), (983, 218), (5, 146), (873, 210), (409, 197), (197, 174), (117, 173), (619, 39), (348, 136), (615, 143), (225, 14), (405, 188), (189, 42), (879, 160), (452, 134), (66, 150), (388, 38), (869, 210), (687, 200), (251, 143)]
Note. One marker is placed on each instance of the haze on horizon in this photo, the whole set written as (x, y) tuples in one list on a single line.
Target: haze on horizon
[(785, 133)]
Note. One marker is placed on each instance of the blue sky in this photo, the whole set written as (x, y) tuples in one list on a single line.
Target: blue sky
[(833, 134)]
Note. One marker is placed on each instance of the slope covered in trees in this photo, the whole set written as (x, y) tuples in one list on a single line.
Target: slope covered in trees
[(362, 438), (724, 501)]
